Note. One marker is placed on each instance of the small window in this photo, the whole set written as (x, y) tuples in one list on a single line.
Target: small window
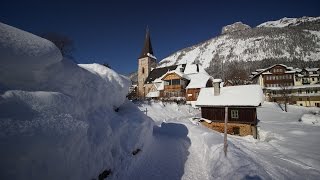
[(142, 70), (301, 104), (234, 114)]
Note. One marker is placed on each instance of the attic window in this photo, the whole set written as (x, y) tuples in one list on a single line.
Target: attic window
[(234, 114)]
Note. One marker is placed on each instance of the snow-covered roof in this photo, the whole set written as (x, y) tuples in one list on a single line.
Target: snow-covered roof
[(290, 72), (267, 72), (263, 71), (246, 95), (198, 80), (152, 56), (192, 68), (311, 69), (217, 80), (153, 94)]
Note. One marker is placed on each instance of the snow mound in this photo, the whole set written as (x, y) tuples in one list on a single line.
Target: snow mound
[(311, 119), (60, 120), (22, 54)]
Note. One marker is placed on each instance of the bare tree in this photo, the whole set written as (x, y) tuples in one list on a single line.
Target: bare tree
[(236, 73), (285, 95), (63, 42)]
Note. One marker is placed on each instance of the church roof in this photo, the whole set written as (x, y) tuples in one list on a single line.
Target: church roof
[(147, 50)]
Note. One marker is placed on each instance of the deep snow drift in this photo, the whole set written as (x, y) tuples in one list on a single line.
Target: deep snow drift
[(58, 119)]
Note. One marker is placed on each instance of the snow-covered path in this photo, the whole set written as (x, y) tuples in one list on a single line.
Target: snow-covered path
[(182, 150), (166, 155)]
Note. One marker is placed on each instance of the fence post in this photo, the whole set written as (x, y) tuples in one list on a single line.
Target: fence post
[(225, 130)]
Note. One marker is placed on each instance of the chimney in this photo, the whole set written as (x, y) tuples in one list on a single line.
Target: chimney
[(216, 86)]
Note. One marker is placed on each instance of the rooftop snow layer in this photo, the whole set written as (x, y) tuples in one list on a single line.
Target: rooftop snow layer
[(198, 80), (246, 95), (192, 69)]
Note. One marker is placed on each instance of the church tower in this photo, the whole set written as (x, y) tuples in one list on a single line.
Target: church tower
[(146, 61)]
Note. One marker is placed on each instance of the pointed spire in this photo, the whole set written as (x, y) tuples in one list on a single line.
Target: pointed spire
[(147, 48)]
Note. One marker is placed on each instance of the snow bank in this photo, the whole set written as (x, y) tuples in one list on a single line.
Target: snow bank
[(61, 122), (23, 54), (311, 119)]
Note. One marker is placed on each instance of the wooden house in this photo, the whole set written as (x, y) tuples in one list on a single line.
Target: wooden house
[(242, 102), (197, 81)]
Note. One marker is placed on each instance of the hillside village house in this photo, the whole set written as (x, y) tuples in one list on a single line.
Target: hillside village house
[(242, 102), (182, 81), (302, 86)]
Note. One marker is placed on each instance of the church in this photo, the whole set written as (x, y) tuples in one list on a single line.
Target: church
[(177, 82)]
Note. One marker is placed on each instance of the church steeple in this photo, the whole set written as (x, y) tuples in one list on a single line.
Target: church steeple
[(147, 48)]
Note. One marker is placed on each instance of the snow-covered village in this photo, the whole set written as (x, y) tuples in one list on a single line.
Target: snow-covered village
[(110, 90)]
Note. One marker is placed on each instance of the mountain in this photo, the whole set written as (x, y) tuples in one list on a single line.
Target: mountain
[(133, 77), (292, 41)]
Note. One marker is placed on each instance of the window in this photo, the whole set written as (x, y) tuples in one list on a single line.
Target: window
[(175, 81), (312, 79), (234, 114), (301, 104), (142, 70)]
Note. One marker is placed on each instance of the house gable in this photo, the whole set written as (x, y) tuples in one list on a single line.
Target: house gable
[(170, 76)]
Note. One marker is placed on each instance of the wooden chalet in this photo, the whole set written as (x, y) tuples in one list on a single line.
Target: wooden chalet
[(242, 103), (197, 81), (182, 81)]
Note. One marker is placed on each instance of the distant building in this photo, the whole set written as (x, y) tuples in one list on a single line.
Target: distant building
[(242, 102), (176, 82), (300, 86)]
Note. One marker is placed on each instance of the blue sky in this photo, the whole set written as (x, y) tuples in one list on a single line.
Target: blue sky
[(113, 31)]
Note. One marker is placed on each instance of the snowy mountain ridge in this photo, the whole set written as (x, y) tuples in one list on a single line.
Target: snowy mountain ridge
[(300, 42), (285, 22)]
